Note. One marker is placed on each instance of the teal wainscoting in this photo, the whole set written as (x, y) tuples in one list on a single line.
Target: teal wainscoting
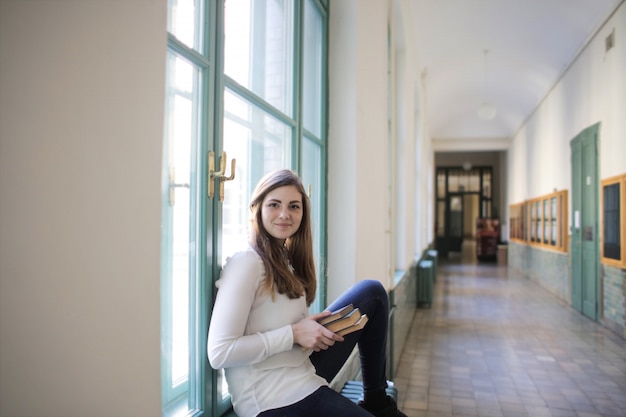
[(550, 269), (614, 289)]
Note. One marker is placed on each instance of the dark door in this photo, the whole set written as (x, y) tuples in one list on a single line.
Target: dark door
[(455, 221)]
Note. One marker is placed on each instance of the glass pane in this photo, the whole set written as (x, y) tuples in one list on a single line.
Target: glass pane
[(441, 218), (441, 184), (184, 18), (486, 209), (487, 184), (611, 212), (546, 221), (512, 221), (453, 181), (533, 222), (524, 222), (178, 236), (555, 222), (312, 70), (463, 181), (260, 143), (258, 48), (312, 177), (474, 181), (538, 217), (456, 216)]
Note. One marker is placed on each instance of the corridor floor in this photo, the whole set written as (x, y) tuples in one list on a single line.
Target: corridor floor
[(497, 344)]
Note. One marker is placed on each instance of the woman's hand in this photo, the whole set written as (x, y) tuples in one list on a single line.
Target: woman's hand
[(309, 334)]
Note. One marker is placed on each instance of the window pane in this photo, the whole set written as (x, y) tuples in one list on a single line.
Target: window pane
[(463, 181), (487, 184), (456, 216), (441, 218), (184, 18), (538, 225), (474, 180), (556, 241), (178, 237), (258, 51), (312, 70), (546, 221), (453, 181), (524, 222), (486, 212), (260, 143), (611, 208), (533, 222), (312, 177), (441, 184)]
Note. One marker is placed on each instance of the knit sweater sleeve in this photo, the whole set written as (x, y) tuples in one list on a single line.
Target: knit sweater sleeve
[(231, 342)]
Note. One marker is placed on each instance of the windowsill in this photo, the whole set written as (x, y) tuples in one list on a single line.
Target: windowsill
[(399, 275)]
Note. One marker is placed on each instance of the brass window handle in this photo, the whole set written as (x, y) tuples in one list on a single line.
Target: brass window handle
[(174, 185), (220, 175)]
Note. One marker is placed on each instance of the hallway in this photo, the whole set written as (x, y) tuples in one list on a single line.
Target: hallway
[(497, 344)]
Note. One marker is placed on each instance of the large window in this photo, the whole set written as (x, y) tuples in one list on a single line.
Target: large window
[(613, 240), (246, 93), (274, 106)]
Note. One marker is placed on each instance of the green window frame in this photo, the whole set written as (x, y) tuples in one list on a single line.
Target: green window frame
[(278, 101)]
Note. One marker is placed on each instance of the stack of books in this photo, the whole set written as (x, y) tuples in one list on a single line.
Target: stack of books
[(345, 320)]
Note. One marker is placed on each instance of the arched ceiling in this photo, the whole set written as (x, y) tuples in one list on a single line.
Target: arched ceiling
[(530, 44)]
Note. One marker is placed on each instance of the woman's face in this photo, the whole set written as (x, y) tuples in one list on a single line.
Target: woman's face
[(281, 211)]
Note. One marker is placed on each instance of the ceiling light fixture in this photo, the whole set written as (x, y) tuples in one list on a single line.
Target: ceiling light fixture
[(486, 110)]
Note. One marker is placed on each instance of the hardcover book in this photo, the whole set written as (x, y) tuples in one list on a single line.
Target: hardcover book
[(345, 320)]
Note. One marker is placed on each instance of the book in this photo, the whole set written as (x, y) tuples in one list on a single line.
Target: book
[(345, 320), (356, 326), (336, 314)]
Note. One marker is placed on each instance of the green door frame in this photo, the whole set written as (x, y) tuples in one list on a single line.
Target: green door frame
[(585, 247)]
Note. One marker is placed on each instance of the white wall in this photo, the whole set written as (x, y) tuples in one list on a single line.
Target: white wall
[(592, 90), (360, 243), (343, 144), (357, 175), (414, 221), (81, 116)]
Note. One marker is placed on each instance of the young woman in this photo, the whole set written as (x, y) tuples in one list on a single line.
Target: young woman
[(278, 359)]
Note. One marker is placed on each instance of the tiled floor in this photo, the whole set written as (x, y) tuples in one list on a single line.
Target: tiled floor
[(496, 344)]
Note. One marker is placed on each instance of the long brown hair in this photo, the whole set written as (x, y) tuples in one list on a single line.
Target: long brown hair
[(298, 248)]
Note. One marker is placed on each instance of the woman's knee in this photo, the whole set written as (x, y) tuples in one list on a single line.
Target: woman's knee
[(375, 286), (375, 290)]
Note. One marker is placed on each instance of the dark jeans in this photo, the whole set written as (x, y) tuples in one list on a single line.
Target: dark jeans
[(323, 402), (371, 298)]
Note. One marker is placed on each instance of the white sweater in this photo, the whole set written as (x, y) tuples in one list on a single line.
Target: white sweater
[(250, 336)]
